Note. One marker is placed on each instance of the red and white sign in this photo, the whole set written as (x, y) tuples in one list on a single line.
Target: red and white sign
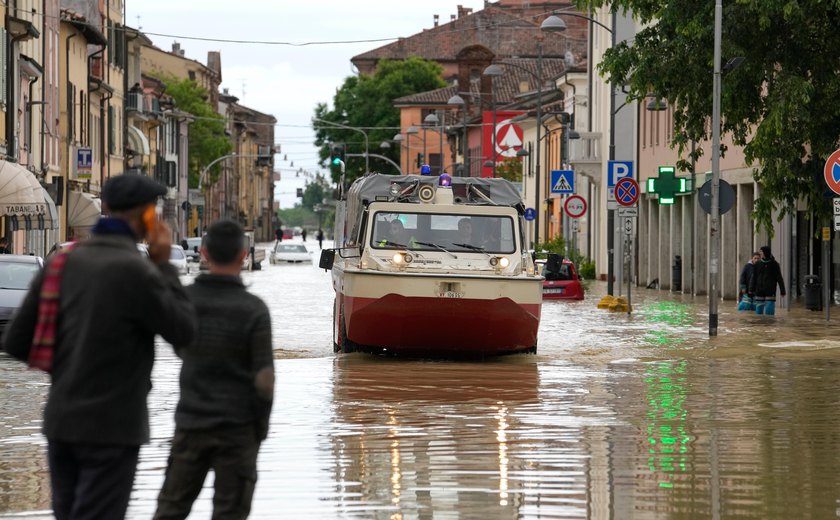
[(575, 206), (509, 138), (831, 172), (627, 191)]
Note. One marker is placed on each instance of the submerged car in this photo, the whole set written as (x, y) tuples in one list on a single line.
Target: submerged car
[(561, 279), (291, 253), (16, 274)]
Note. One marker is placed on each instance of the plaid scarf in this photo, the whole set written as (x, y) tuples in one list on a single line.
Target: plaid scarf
[(42, 351)]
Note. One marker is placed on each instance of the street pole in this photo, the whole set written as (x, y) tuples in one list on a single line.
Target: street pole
[(610, 211), (466, 145), (538, 207), (714, 230), (440, 135), (493, 99)]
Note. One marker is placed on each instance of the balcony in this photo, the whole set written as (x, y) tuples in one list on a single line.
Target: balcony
[(134, 102), (585, 155)]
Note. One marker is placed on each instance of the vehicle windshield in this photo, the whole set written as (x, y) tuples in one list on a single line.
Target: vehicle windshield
[(17, 275), (177, 253), (443, 232), (193, 242), (290, 248)]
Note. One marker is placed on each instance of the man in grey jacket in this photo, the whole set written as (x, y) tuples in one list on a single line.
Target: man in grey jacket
[(109, 303)]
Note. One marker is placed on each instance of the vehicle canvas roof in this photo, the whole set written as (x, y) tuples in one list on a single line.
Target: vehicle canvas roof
[(465, 189)]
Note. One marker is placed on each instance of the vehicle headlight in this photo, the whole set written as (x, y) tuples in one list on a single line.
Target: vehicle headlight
[(402, 258), (499, 261)]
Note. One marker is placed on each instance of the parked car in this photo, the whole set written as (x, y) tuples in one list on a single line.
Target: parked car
[(561, 279), (16, 274), (292, 253), (178, 258)]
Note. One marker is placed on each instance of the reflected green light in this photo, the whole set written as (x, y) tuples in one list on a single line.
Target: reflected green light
[(667, 434)]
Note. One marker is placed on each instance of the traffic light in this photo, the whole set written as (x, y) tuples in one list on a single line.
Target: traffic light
[(421, 159), (337, 153), (667, 185)]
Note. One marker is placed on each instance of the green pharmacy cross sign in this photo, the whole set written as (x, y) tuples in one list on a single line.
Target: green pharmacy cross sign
[(667, 185)]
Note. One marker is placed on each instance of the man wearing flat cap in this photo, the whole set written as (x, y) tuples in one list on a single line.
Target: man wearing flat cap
[(90, 320)]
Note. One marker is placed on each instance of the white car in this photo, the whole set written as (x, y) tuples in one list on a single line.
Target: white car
[(178, 258), (292, 253)]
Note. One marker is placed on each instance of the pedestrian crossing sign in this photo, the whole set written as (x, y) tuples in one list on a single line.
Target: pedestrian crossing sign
[(562, 182)]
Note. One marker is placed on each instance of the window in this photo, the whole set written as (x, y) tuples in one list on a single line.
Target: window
[(452, 232), (3, 65), (111, 128)]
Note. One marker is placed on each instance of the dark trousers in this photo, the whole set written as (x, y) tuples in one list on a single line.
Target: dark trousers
[(232, 455), (91, 481)]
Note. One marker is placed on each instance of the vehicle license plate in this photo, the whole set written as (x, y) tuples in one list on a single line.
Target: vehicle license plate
[(452, 294), (555, 290)]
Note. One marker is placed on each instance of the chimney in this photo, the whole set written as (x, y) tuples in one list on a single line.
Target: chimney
[(464, 11), (226, 91), (452, 17), (176, 48), (437, 19)]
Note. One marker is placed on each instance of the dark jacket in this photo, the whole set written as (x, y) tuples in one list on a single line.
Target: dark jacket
[(220, 365), (746, 275), (766, 275), (113, 301)]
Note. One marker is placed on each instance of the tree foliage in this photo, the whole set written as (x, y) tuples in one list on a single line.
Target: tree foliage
[(780, 105), (366, 102), (315, 192), (207, 139)]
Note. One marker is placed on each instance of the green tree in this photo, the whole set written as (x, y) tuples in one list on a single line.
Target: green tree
[(315, 192), (367, 102), (780, 104), (207, 139)]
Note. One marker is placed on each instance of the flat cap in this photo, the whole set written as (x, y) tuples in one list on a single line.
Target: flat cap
[(130, 190)]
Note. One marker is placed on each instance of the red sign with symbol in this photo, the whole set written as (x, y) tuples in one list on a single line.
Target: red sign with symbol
[(626, 191), (509, 138), (575, 206), (832, 172)]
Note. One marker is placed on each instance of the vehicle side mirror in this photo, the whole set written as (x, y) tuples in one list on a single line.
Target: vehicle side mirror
[(327, 259)]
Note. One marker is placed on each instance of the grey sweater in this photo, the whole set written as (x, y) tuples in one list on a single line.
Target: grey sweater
[(233, 344)]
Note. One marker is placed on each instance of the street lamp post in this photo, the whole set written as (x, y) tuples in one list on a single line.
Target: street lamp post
[(355, 129), (555, 24), (714, 228), (433, 120), (493, 71), (457, 100)]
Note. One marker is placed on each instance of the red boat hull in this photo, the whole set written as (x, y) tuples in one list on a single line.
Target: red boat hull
[(442, 325)]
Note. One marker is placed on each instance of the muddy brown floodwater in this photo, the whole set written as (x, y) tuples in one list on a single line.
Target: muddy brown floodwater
[(616, 417)]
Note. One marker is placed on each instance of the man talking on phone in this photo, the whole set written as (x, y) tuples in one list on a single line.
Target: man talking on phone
[(90, 320)]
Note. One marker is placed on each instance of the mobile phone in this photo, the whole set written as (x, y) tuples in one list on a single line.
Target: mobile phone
[(150, 218)]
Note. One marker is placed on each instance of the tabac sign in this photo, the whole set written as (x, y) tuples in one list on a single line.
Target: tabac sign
[(23, 209), (84, 163)]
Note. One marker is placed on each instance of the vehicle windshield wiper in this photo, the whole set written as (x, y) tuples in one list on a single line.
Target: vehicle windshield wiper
[(473, 248), (437, 246)]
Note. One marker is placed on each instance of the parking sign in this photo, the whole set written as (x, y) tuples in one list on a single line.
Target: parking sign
[(617, 170)]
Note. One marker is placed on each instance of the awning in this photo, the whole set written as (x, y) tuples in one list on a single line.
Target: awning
[(137, 141), (20, 192), (83, 209)]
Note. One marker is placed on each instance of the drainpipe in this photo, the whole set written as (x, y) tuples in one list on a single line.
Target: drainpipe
[(102, 103), (90, 91), (11, 144), (29, 106), (69, 135)]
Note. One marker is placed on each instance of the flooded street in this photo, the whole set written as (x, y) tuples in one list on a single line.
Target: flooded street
[(617, 416)]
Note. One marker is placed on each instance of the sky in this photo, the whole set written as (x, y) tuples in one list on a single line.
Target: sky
[(286, 81)]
